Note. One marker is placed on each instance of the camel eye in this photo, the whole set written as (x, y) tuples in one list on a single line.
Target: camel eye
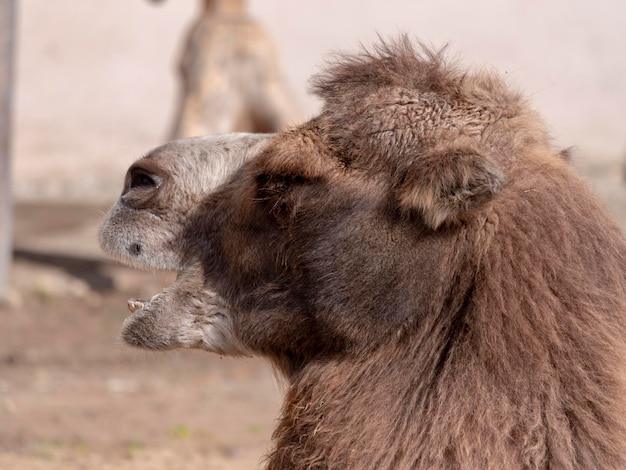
[(271, 185), (279, 194), (140, 179)]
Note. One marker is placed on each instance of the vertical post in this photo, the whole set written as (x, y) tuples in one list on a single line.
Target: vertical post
[(7, 35)]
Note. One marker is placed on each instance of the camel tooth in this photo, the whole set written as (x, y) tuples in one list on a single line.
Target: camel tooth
[(134, 305)]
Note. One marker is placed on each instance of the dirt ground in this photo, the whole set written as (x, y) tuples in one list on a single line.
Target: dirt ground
[(72, 396)]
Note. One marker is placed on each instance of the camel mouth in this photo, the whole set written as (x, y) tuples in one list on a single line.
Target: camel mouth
[(137, 307)]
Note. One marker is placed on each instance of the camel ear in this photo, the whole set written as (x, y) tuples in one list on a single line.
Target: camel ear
[(445, 184)]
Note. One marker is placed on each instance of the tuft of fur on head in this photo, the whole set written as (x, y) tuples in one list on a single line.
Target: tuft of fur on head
[(410, 114), (390, 64)]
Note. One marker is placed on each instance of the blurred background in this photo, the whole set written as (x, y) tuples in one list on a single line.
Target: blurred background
[(97, 84)]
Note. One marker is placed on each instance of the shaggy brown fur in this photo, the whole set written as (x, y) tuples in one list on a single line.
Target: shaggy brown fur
[(438, 287)]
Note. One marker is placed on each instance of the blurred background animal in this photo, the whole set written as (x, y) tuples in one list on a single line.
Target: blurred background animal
[(230, 78)]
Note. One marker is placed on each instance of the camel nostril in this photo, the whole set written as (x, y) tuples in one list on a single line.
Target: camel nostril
[(135, 249), (141, 182)]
